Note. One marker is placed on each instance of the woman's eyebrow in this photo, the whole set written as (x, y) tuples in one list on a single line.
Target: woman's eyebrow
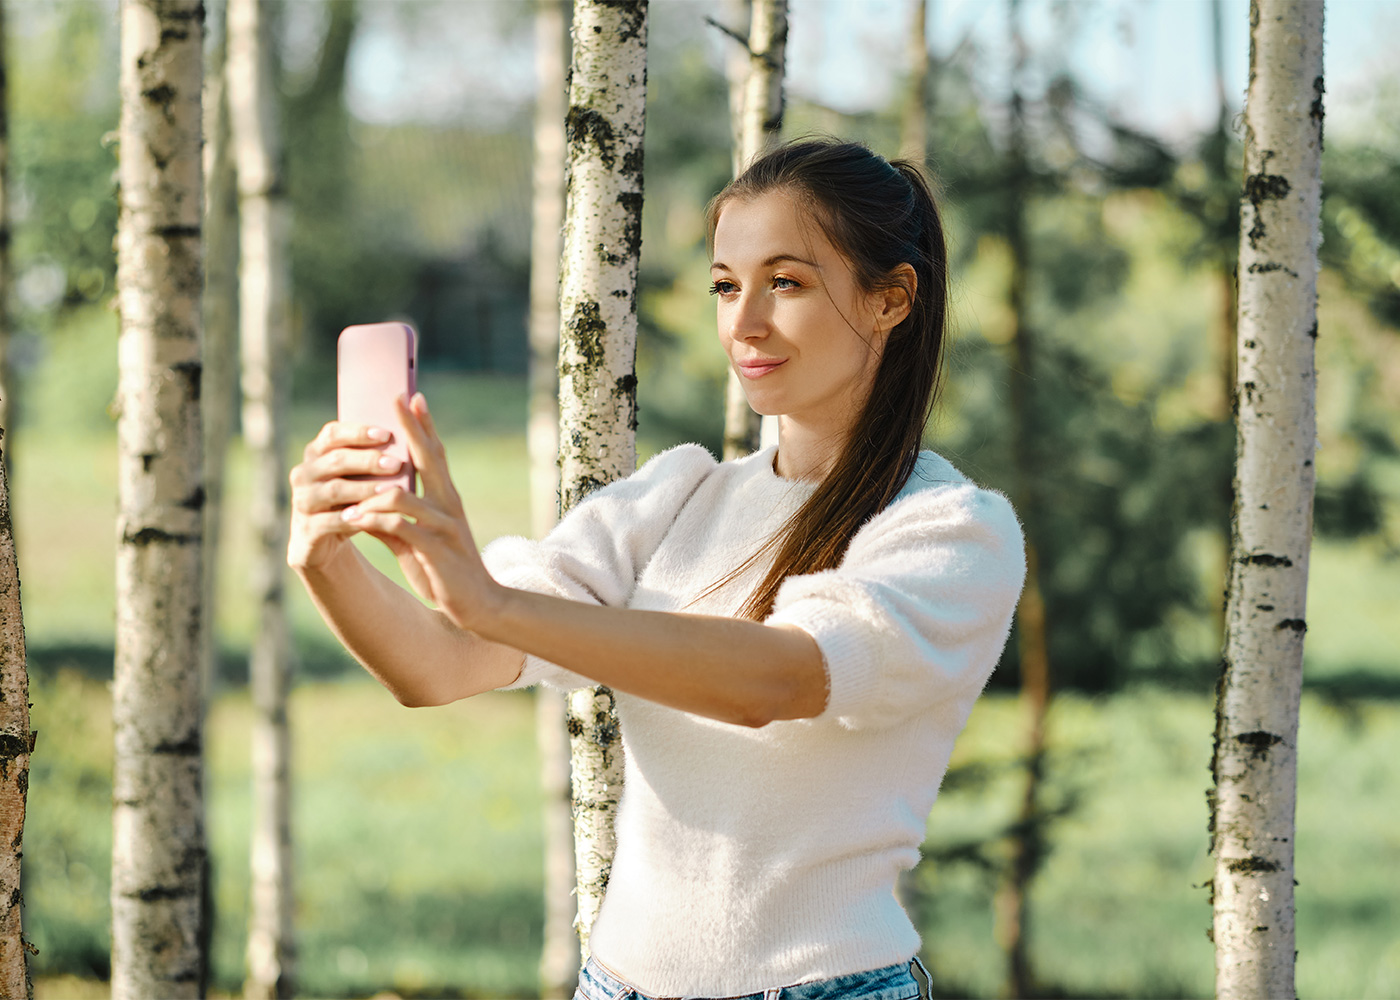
[(777, 258)]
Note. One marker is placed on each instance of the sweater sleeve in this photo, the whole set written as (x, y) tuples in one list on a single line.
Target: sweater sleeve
[(920, 607), (597, 551)]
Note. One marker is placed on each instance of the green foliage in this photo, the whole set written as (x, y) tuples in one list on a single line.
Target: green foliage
[(63, 108)]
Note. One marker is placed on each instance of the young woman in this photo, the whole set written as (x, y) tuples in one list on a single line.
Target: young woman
[(795, 637)]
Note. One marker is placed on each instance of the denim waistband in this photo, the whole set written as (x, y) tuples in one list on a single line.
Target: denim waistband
[(893, 982)]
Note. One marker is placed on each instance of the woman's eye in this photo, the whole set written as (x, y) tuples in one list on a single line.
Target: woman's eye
[(785, 283), (722, 288)]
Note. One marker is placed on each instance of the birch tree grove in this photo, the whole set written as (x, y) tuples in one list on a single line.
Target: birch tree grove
[(760, 124), (262, 286), (559, 951), (1255, 762), (597, 354), (159, 856)]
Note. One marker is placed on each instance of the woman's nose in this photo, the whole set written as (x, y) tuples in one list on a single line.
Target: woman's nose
[(749, 318)]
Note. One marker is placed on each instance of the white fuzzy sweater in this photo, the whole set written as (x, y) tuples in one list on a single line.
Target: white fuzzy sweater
[(753, 858)]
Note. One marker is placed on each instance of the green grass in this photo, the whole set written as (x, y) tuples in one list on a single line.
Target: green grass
[(418, 844)]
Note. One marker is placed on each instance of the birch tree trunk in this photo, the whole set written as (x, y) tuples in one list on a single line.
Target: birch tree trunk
[(220, 334), (16, 744), (1255, 761), (736, 73), (760, 124), (597, 354), (913, 132), (559, 953), (1012, 902), (159, 857), (263, 343)]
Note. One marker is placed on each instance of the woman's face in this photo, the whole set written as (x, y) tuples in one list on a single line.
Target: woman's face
[(803, 337)]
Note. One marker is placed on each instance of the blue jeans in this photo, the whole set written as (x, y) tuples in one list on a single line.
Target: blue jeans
[(893, 982)]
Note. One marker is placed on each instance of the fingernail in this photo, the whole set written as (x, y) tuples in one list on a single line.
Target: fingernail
[(350, 513), (378, 434), (389, 462)]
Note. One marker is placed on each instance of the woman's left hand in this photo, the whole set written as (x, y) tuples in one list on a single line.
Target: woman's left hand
[(429, 534)]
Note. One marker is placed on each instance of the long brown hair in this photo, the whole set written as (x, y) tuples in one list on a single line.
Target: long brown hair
[(878, 214)]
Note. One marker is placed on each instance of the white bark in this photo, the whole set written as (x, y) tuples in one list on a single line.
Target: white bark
[(1257, 713), (913, 139), (158, 846), (546, 245), (759, 127), (559, 953), (597, 353), (265, 365), (16, 744)]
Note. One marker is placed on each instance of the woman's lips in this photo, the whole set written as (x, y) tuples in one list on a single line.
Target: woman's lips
[(758, 369)]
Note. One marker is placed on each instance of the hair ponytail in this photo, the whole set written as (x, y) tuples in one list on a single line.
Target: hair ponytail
[(879, 215)]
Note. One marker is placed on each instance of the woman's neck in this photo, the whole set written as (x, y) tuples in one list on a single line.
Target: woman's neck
[(805, 452)]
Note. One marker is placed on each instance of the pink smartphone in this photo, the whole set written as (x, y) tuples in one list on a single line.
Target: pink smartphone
[(377, 363)]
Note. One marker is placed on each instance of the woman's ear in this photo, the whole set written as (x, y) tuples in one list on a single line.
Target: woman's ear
[(894, 302)]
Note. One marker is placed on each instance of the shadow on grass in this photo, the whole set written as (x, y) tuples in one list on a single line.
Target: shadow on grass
[(1361, 682), (315, 660)]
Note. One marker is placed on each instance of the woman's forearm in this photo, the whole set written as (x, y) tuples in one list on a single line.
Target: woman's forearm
[(416, 652), (733, 670)]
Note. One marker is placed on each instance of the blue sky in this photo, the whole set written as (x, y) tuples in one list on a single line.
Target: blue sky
[(1149, 60)]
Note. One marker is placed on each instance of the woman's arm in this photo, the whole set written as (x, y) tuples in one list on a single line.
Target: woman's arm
[(414, 651), (729, 669), (732, 670)]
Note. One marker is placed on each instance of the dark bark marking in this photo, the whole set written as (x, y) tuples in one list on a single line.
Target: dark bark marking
[(176, 232), (158, 893), (633, 18), (189, 746), (586, 125), (1296, 624), (12, 746), (1259, 188), (1252, 865), (192, 372), (147, 460), (161, 95), (1258, 739), (586, 330), (1313, 332), (195, 501), (1271, 267), (158, 536), (1250, 344), (1265, 559), (625, 389), (1264, 607), (631, 202), (1316, 112)]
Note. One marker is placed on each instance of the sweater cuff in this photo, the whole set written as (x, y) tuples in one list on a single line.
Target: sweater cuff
[(517, 563), (841, 618)]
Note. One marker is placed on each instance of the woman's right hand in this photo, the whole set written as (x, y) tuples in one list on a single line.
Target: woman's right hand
[(320, 490)]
